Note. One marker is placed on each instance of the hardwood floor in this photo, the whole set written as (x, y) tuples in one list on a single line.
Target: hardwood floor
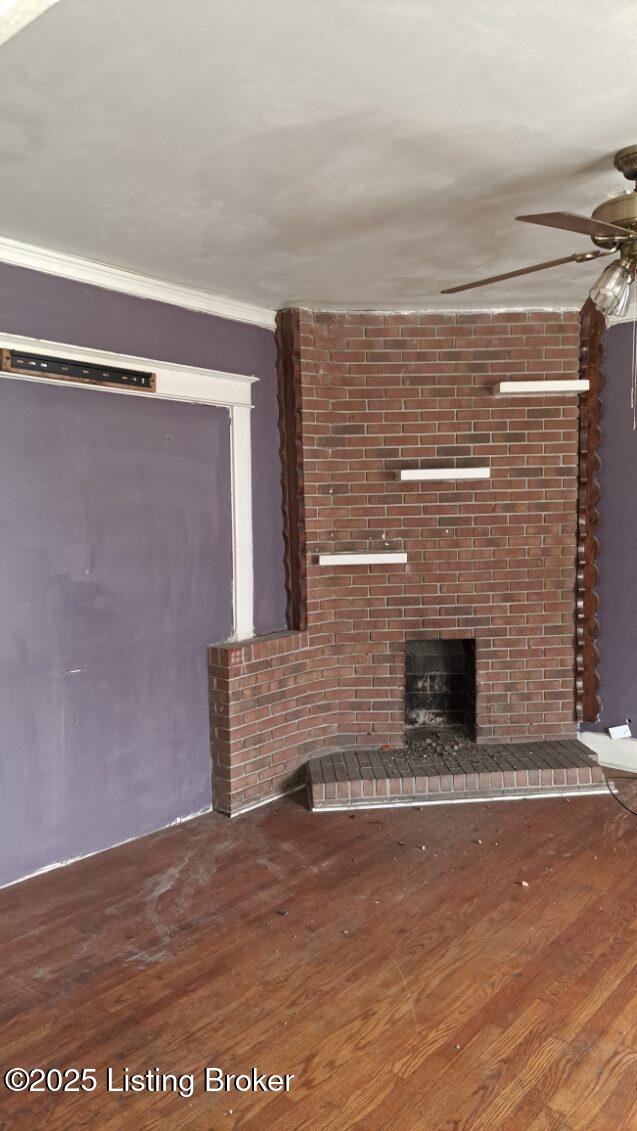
[(392, 961)]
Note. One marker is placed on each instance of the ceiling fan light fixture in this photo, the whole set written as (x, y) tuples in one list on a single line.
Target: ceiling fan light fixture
[(611, 292)]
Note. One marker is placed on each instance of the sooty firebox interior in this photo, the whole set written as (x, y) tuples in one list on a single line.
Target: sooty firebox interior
[(440, 684)]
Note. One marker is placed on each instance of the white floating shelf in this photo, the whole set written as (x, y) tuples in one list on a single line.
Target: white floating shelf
[(445, 473), (540, 388), (389, 558)]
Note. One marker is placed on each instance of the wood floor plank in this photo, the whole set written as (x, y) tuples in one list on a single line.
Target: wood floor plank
[(356, 953)]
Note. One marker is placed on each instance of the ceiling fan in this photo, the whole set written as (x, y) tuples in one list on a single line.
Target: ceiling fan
[(612, 226)]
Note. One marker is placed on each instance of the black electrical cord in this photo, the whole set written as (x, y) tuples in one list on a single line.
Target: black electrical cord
[(620, 777)]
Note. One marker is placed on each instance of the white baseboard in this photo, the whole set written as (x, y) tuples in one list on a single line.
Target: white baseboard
[(98, 851), (264, 801), (424, 803)]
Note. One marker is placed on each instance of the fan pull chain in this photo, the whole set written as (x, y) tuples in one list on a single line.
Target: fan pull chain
[(633, 388)]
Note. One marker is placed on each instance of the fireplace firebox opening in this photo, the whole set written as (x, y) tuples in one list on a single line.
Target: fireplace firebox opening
[(440, 685)]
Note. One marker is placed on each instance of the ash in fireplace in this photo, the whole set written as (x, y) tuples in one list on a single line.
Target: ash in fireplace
[(427, 742)]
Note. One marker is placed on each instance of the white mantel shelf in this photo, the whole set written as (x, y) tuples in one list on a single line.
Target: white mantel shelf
[(540, 388), (388, 558), (439, 473)]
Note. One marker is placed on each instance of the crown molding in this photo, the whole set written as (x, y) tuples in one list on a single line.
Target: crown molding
[(561, 308), (50, 262), (18, 14)]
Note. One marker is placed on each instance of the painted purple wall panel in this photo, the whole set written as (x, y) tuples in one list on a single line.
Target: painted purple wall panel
[(617, 532), (42, 306), (115, 574)]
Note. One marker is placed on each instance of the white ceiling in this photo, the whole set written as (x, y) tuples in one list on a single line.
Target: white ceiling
[(321, 152)]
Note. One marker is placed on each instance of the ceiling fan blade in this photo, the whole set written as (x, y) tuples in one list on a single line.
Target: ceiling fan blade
[(581, 257), (573, 223)]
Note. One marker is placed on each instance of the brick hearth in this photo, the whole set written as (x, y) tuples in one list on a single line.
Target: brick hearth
[(490, 559), (367, 778)]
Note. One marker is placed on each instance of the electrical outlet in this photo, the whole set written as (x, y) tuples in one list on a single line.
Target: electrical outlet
[(622, 731)]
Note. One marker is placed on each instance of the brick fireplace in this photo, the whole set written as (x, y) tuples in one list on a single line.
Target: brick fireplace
[(490, 558)]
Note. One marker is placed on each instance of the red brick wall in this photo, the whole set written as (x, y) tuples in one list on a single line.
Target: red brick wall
[(489, 559)]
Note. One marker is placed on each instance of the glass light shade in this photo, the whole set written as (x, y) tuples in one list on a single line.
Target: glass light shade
[(622, 306), (611, 292)]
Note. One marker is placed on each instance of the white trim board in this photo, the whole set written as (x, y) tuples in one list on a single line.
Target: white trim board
[(250, 806), (242, 544), (232, 391), (174, 382), (425, 802), (245, 809), (109, 848), (430, 473), (389, 558), (18, 14), (558, 308), (111, 278), (540, 388)]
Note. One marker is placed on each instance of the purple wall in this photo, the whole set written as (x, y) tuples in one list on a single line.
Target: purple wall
[(41, 306), (115, 529), (115, 574), (617, 532)]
